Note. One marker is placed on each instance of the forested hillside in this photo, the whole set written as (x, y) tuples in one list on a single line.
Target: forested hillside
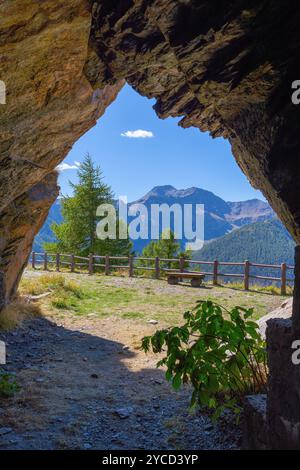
[(266, 242)]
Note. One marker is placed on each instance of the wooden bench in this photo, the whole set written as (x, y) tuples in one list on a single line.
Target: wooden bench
[(175, 276)]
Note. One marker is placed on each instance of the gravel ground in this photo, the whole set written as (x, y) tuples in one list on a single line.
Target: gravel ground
[(86, 385)]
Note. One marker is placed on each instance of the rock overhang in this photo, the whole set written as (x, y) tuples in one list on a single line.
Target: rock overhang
[(222, 67)]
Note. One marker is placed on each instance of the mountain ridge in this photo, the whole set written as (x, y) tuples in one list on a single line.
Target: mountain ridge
[(220, 218)]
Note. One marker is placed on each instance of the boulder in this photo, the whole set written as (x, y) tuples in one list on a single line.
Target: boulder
[(284, 312)]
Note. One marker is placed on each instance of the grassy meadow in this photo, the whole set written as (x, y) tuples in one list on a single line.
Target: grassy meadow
[(137, 299)]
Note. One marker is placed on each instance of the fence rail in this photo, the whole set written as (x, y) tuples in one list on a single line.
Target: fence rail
[(107, 262)]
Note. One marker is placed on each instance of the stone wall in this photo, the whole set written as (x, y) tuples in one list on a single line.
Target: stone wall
[(255, 433), (283, 404)]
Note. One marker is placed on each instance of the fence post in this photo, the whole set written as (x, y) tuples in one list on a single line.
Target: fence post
[(107, 265), (130, 259), (91, 264), (33, 260), (157, 268), (57, 261), (45, 261), (283, 279), (246, 275), (181, 264), (215, 273), (72, 263)]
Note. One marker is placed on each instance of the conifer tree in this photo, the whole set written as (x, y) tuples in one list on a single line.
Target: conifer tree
[(77, 233)]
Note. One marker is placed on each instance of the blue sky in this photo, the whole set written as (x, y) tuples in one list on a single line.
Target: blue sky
[(176, 156)]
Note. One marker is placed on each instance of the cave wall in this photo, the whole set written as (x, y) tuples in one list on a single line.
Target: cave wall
[(49, 105), (224, 67), (20, 221)]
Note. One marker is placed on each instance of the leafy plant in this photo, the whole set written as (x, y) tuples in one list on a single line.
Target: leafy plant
[(219, 351), (8, 385)]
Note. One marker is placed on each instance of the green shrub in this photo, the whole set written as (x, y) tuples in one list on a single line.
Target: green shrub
[(61, 303), (8, 385), (73, 288), (220, 352)]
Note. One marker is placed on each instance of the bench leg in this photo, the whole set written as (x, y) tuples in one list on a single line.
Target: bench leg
[(196, 282), (172, 280)]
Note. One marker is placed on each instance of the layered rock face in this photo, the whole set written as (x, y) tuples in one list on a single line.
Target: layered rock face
[(224, 67), (49, 104), (19, 223)]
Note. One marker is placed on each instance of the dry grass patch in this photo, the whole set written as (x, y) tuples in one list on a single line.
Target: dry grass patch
[(63, 291), (271, 289), (15, 313), (48, 282)]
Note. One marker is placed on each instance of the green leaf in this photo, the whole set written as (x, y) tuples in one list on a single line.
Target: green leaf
[(177, 382), (169, 375)]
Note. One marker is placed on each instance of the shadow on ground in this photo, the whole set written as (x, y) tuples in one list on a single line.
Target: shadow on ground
[(82, 391)]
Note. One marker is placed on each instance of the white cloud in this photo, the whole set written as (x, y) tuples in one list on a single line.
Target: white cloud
[(138, 134), (66, 166)]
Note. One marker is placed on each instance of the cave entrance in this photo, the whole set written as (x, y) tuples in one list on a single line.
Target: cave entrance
[(157, 154), (221, 65)]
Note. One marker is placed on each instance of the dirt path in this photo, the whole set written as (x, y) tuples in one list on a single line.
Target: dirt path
[(85, 385)]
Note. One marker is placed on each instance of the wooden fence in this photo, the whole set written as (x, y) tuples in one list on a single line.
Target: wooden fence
[(108, 263)]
